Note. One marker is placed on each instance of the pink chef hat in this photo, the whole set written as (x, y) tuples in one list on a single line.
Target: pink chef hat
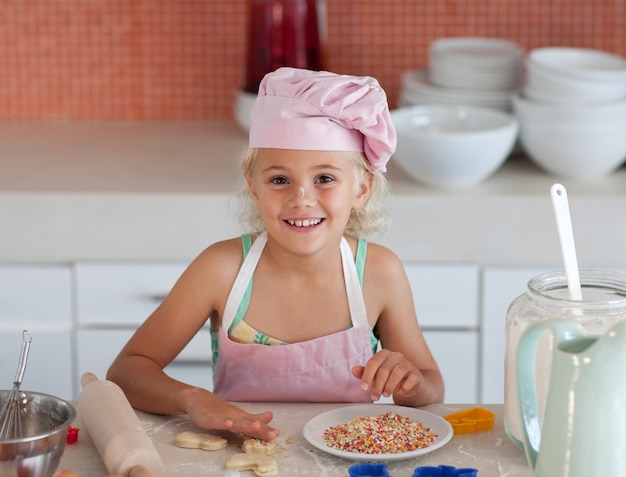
[(310, 110)]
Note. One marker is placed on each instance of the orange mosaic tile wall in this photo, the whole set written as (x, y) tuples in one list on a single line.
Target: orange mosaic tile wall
[(184, 59)]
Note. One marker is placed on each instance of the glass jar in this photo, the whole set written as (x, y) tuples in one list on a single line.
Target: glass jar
[(283, 33), (547, 298)]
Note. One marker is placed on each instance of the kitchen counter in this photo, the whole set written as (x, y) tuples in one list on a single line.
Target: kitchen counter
[(491, 452), (164, 191)]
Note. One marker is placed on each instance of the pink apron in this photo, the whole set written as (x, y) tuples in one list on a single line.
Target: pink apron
[(317, 370)]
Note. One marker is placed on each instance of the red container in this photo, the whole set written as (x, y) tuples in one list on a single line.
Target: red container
[(283, 33)]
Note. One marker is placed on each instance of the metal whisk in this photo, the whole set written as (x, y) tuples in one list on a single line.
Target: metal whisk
[(13, 407)]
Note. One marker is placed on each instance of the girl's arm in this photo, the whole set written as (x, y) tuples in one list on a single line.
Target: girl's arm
[(405, 367), (198, 295)]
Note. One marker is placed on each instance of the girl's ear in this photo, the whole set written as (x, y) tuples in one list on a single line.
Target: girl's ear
[(250, 187), (364, 191)]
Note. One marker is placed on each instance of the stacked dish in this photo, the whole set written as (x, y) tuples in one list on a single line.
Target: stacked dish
[(573, 111), (466, 71), (484, 64), (560, 75), (417, 90)]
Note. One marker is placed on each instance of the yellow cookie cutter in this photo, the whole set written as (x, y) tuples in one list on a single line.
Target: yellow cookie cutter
[(471, 420)]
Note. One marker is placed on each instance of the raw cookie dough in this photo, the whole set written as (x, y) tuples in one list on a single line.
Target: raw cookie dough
[(255, 446), (197, 440), (262, 465)]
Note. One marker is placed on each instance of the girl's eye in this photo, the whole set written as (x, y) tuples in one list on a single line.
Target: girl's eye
[(325, 179), (279, 180)]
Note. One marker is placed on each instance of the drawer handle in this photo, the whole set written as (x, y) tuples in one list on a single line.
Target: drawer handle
[(157, 298)]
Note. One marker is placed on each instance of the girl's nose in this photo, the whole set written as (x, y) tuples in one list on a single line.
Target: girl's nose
[(302, 196)]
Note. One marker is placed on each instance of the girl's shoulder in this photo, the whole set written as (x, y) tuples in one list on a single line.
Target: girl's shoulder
[(382, 262), (221, 257), (224, 246), (375, 251)]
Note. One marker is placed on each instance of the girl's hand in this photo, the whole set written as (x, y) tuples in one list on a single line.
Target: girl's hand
[(211, 412), (389, 373)]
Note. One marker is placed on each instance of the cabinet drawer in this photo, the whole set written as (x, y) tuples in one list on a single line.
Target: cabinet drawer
[(500, 287), (456, 353), (445, 295), (49, 366), (98, 348), (35, 297), (122, 293)]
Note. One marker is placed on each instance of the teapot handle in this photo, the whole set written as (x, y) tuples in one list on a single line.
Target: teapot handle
[(526, 385)]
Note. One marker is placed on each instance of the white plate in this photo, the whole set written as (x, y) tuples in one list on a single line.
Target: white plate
[(314, 429), (486, 52)]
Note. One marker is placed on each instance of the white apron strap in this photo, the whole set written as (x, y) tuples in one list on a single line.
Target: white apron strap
[(358, 313), (243, 280)]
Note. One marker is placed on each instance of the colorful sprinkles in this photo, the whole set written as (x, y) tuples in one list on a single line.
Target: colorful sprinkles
[(388, 433)]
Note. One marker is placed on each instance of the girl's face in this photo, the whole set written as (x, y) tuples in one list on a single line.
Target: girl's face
[(305, 194)]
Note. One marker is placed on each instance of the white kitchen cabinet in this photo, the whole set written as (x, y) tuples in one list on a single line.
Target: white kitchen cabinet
[(446, 301), (446, 296), (500, 287), (97, 348), (113, 299), (37, 299), (122, 293), (456, 353)]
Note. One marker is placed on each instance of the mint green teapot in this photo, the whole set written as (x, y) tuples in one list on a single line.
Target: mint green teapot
[(547, 298), (584, 423)]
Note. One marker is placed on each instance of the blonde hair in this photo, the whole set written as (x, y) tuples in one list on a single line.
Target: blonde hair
[(372, 219)]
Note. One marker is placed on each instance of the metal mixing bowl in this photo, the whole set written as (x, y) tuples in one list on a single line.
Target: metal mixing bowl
[(38, 452)]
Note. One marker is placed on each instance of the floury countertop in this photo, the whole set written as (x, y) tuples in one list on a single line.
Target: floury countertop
[(164, 191), (490, 452)]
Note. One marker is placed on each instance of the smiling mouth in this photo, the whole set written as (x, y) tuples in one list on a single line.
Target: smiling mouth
[(304, 222)]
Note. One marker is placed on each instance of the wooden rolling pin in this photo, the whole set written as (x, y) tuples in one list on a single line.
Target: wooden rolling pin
[(116, 430)]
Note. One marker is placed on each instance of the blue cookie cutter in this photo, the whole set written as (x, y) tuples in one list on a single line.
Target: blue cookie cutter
[(444, 471), (368, 470)]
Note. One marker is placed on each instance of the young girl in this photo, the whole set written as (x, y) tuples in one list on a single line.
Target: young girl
[(299, 307)]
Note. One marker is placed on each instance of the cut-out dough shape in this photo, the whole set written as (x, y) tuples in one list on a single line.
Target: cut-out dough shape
[(198, 440), (258, 446), (262, 465)]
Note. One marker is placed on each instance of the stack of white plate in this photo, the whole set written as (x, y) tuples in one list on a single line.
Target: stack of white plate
[(466, 71), (417, 89), (560, 75), (484, 64)]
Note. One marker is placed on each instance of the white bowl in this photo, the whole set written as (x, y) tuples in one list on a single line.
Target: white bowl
[(582, 63), (243, 104), (604, 113), (582, 142), (476, 52), (552, 85), (452, 146)]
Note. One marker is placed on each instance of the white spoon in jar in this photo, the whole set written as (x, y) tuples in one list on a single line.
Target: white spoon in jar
[(566, 237)]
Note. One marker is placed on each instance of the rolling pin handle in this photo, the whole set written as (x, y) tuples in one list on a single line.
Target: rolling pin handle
[(139, 471)]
